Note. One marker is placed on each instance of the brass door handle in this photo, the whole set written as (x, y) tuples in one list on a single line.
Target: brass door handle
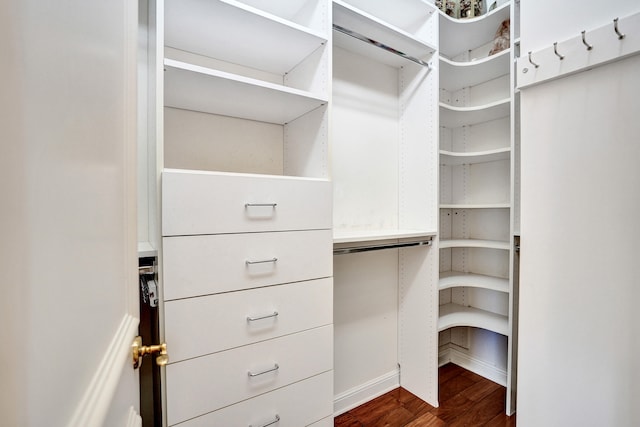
[(138, 351)]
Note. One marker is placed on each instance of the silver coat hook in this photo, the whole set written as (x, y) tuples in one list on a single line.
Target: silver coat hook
[(615, 27), (584, 40), (531, 61), (555, 50)]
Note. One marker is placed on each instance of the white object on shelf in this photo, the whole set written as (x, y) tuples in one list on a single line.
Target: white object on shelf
[(452, 315), (453, 117), (455, 75), (453, 158), (196, 88), (452, 279), (217, 28), (473, 243), (351, 18), (460, 31)]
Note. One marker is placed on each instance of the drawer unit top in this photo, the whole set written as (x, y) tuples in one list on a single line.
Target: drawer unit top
[(197, 202)]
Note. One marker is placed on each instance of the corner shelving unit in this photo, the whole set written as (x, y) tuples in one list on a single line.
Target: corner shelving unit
[(476, 197), (384, 171)]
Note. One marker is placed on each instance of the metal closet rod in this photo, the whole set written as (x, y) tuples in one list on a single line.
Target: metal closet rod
[(355, 249), (379, 45)]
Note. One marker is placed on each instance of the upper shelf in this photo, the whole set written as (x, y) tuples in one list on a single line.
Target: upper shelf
[(347, 236), (196, 88), (452, 158), (239, 34), (453, 117), (358, 21), (452, 279), (457, 75), (409, 15), (459, 35)]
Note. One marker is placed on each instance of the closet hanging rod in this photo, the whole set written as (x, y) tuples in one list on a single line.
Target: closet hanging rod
[(379, 45), (356, 249)]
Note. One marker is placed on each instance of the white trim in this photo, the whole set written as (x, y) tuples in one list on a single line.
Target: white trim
[(472, 364), (356, 396), (134, 419), (95, 403)]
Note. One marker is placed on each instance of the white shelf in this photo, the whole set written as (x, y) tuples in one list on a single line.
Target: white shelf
[(342, 236), (474, 243), (459, 35), (475, 206), (351, 18), (196, 88), (451, 279), (453, 117), (239, 34), (405, 14), (452, 315), (457, 75), (452, 158)]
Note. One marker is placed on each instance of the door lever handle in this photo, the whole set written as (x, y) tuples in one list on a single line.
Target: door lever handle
[(138, 351)]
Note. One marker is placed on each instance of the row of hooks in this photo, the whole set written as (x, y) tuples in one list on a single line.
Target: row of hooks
[(584, 41)]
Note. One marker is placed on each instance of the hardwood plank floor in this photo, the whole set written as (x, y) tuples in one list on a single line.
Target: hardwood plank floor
[(466, 399)]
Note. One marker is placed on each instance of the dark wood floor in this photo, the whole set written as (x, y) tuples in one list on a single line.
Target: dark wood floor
[(466, 399)]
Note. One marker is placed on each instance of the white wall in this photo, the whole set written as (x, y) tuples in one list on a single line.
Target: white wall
[(579, 351)]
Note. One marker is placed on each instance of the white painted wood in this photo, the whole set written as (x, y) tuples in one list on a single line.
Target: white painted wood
[(306, 145), (452, 315), (197, 88), (473, 364), (325, 422), (588, 145), (450, 279), (198, 202), (341, 236), (412, 16), (455, 75), (222, 378), (354, 19), (450, 158), (607, 48), (217, 29), (473, 243), (299, 404), (68, 217), (221, 321), (452, 116), (310, 14), (363, 393), (458, 35), (475, 206), (208, 264)]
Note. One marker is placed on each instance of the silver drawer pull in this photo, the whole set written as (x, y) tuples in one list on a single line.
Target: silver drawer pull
[(253, 319), (255, 374), (270, 423), (261, 261), (251, 205)]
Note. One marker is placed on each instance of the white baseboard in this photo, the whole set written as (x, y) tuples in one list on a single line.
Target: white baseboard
[(365, 392), (480, 367)]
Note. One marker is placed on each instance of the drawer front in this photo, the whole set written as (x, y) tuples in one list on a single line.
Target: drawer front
[(299, 404), (201, 265), (208, 324), (197, 386), (211, 203)]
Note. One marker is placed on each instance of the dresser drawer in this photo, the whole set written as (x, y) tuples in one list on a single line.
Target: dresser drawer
[(208, 324), (201, 265), (204, 384), (195, 202), (299, 404)]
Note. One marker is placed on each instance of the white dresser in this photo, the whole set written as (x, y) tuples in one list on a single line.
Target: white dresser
[(248, 297)]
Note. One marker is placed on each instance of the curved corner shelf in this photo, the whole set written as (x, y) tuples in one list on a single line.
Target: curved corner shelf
[(454, 117), (474, 243), (196, 88), (452, 315), (452, 279), (466, 34), (218, 28), (351, 18), (453, 158), (457, 75)]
